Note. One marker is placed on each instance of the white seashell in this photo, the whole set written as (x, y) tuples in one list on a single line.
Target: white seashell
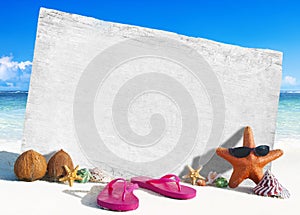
[(99, 175), (212, 176), (269, 186)]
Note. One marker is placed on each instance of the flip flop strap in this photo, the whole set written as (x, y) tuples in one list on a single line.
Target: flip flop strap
[(127, 188), (165, 179)]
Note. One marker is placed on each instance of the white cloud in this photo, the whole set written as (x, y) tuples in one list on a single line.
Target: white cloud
[(22, 65), (10, 69), (289, 81), (13, 74)]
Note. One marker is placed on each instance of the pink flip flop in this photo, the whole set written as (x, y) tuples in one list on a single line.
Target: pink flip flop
[(166, 186), (118, 196)]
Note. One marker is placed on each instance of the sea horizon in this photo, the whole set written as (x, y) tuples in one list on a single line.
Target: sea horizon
[(26, 91), (13, 107)]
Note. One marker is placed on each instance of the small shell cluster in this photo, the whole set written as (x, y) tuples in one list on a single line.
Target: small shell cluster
[(98, 175), (269, 186)]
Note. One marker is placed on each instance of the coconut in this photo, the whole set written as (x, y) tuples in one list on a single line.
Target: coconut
[(30, 166), (56, 164)]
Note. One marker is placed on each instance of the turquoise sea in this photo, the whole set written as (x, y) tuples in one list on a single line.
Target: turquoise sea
[(288, 117), (12, 112), (13, 105)]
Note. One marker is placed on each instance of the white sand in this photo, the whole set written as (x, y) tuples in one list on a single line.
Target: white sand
[(42, 197)]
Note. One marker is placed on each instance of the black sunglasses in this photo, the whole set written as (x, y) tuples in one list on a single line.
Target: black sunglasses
[(241, 152)]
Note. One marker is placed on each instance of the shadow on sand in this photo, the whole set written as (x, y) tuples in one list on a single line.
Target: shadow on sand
[(7, 161), (216, 163), (90, 197)]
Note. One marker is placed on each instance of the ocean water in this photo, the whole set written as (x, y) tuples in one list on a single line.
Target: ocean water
[(288, 118), (13, 105), (12, 112)]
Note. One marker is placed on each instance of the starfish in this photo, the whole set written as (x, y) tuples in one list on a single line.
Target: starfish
[(71, 175), (194, 174), (248, 167)]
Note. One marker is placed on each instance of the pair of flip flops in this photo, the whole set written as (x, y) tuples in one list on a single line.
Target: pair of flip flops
[(118, 194)]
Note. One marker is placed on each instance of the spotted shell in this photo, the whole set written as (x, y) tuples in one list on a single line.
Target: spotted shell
[(98, 175), (221, 182), (269, 186)]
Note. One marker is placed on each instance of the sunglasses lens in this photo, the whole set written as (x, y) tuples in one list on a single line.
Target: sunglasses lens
[(262, 150), (240, 152)]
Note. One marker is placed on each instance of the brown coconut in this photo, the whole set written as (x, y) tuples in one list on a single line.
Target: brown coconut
[(30, 166), (56, 164)]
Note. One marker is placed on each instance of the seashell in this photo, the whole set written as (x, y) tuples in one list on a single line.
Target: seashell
[(30, 166), (56, 165), (99, 175), (221, 182), (84, 174), (269, 186), (201, 183), (212, 176)]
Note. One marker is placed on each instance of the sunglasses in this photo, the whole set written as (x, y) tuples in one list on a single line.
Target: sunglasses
[(241, 152)]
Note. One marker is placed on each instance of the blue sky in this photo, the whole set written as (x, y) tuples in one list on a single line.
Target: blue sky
[(272, 24)]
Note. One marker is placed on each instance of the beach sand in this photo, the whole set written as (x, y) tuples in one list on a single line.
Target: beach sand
[(41, 197)]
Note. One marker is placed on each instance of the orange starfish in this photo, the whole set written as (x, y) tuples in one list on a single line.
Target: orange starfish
[(250, 166)]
